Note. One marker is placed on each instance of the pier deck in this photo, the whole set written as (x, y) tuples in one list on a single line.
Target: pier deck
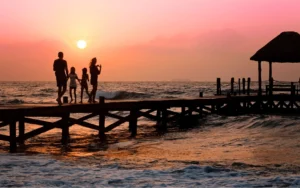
[(159, 110)]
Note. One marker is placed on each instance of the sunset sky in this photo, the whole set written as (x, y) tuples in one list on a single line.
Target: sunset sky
[(144, 40)]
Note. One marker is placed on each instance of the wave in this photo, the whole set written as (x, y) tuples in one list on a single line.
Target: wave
[(41, 95), (253, 121), (122, 95), (12, 101), (48, 90)]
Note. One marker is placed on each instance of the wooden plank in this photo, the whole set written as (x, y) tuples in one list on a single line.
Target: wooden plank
[(114, 116), (84, 124), (37, 132), (3, 124), (39, 122), (4, 137), (148, 115), (116, 124), (77, 121)]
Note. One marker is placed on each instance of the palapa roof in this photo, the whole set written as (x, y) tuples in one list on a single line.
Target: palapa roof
[(285, 48)]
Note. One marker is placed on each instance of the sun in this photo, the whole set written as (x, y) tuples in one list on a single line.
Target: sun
[(81, 44)]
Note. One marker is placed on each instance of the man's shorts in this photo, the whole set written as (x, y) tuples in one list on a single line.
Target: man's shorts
[(61, 81)]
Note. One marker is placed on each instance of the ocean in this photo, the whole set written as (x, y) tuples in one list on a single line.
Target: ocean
[(216, 151)]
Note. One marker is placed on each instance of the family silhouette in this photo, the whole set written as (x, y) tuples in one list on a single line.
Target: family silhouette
[(60, 67)]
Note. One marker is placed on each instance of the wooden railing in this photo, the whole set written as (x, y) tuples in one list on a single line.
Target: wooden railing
[(292, 88)]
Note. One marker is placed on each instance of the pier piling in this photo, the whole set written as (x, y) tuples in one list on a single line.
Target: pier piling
[(244, 85), (248, 86), (21, 130), (65, 129), (232, 85), (102, 115), (12, 136)]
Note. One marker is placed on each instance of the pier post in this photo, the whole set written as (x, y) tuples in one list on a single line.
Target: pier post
[(21, 129), (293, 92), (65, 100), (248, 86), (164, 120), (218, 86), (200, 94), (102, 115), (200, 111), (12, 136), (133, 122), (158, 116), (182, 111), (65, 129), (239, 86), (244, 85), (232, 85)]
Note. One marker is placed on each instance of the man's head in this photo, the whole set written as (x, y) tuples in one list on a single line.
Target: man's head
[(60, 55)]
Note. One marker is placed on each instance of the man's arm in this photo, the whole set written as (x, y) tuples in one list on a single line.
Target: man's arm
[(66, 69), (54, 66), (99, 70)]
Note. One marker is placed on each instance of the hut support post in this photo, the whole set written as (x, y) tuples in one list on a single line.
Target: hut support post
[(12, 135), (102, 114), (259, 78), (270, 79)]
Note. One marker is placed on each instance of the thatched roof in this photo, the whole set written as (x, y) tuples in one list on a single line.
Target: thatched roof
[(284, 48)]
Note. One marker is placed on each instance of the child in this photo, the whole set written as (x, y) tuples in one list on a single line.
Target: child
[(84, 83), (73, 77)]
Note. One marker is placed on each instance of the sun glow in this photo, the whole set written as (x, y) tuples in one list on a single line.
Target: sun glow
[(81, 44)]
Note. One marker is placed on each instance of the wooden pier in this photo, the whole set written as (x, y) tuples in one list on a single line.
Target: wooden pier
[(161, 111)]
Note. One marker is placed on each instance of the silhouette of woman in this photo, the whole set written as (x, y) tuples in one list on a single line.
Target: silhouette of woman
[(95, 70)]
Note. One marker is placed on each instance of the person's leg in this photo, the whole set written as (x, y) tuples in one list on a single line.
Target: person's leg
[(75, 94), (58, 95), (87, 91), (64, 90), (81, 94), (71, 97), (94, 92)]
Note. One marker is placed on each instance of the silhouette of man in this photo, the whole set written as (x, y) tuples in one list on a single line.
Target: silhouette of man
[(60, 67)]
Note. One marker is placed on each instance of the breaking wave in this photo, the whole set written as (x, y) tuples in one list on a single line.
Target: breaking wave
[(122, 95)]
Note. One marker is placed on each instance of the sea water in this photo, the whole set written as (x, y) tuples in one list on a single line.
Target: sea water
[(217, 151)]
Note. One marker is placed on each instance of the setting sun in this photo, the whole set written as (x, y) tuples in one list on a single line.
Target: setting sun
[(81, 44)]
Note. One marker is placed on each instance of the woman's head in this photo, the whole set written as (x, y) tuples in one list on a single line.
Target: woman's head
[(72, 70), (93, 62), (84, 70)]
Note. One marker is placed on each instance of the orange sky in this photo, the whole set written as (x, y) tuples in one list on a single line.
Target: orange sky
[(144, 40)]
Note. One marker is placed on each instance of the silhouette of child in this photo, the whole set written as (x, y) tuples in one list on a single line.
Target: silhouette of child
[(73, 85), (84, 83)]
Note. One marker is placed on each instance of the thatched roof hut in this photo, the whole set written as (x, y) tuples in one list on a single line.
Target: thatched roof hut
[(285, 48)]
